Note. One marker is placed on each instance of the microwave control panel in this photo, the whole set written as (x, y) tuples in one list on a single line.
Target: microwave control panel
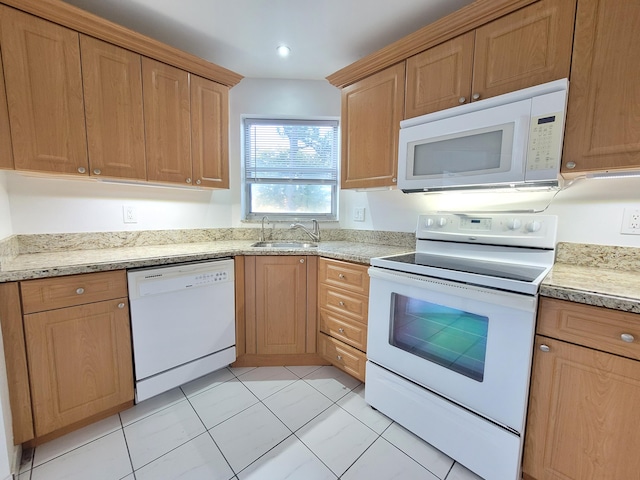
[(545, 138), (546, 131)]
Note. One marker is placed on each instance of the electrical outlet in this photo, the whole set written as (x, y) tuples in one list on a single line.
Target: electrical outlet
[(631, 221), (358, 214), (129, 214)]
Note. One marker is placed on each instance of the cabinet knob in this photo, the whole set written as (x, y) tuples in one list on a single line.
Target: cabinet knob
[(341, 303), (339, 357), (121, 305), (97, 171), (82, 170), (80, 291), (476, 96), (198, 182), (188, 180), (570, 165), (302, 260), (394, 180), (545, 348), (341, 276), (462, 99), (627, 337), (341, 330)]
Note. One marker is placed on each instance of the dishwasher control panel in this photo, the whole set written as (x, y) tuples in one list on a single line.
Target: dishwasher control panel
[(211, 277), (173, 278)]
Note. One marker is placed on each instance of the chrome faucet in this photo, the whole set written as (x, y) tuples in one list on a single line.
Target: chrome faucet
[(314, 233), (262, 230)]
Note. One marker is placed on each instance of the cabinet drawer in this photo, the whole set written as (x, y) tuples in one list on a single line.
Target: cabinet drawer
[(344, 329), (595, 327), (343, 302), (344, 275), (342, 356), (51, 293)]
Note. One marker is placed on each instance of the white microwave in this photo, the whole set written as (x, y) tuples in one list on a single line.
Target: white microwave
[(513, 140)]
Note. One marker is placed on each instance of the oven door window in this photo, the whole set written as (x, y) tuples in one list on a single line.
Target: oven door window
[(449, 337)]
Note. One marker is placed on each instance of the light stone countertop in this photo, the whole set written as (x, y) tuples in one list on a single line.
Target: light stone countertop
[(52, 264), (596, 275)]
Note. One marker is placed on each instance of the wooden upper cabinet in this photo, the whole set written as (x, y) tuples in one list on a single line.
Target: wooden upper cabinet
[(209, 133), (112, 80), (44, 94), (525, 48), (6, 152), (167, 122), (440, 77), (371, 113), (602, 129)]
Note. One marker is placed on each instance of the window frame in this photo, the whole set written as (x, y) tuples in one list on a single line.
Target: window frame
[(248, 215)]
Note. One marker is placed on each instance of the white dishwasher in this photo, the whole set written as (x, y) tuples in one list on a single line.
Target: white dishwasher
[(182, 322)]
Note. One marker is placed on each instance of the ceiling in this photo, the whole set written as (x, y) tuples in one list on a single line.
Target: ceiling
[(242, 35)]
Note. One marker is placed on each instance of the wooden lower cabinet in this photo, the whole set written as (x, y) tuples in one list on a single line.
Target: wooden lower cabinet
[(583, 407), (76, 350), (80, 362), (343, 305), (278, 312)]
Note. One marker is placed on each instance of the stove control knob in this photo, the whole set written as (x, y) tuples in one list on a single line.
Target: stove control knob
[(533, 226), (429, 223), (442, 222), (513, 224)]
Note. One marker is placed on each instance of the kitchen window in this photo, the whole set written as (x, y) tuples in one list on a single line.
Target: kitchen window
[(290, 169)]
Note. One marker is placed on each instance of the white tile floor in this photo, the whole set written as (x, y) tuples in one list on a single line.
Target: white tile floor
[(266, 423)]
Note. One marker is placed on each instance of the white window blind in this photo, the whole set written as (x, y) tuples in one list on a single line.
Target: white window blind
[(290, 167)]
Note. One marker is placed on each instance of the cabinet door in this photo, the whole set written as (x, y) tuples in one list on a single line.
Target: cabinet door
[(6, 153), (209, 133), (525, 48), (602, 129), (371, 113), (80, 362), (44, 94), (440, 77), (281, 304), (583, 415), (112, 80), (167, 122)]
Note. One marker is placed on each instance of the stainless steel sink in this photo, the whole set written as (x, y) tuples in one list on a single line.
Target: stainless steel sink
[(284, 245)]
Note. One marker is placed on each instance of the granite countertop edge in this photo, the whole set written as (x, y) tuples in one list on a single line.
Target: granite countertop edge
[(44, 265)]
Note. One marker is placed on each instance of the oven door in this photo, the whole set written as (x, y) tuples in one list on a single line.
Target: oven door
[(469, 344)]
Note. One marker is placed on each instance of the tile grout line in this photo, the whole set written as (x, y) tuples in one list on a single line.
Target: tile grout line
[(126, 443)]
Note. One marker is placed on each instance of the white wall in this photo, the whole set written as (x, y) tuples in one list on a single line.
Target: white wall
[(279, 98), (36, 204), (590, 210), (6, 228)]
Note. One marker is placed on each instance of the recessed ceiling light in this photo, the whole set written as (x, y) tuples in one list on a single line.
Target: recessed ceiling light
[(283, 51)]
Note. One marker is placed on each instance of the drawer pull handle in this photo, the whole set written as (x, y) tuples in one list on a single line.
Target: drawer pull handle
[(341, 330), (80, 291), (627, 337), (341, 303), (121, 305), (545, 348), (339, 357), (341, 276)]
